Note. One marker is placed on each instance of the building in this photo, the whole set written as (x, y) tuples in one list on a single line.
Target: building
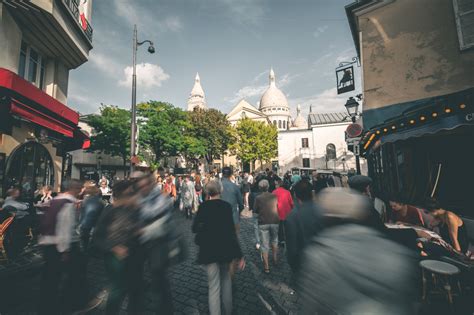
[(316, 144), (418, 96), (41, 42), (197, 98)]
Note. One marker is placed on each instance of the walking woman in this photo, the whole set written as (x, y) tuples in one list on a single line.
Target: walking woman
[(218, 247), (246, 190)]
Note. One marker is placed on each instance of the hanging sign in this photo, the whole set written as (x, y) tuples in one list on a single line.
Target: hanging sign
[(345, 79)]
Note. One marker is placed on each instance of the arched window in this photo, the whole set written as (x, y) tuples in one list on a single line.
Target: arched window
[(331, 151), (275, 123), (30, 167), (284, 124), (279, 124)]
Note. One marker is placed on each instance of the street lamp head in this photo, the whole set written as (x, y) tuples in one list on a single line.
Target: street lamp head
[(151, 48), (352, 107)]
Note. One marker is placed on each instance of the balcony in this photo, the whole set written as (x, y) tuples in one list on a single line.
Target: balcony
[(53, 27), (73, 7)]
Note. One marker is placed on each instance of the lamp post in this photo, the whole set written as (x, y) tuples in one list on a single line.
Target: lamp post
[(151, 50), (352, 107)]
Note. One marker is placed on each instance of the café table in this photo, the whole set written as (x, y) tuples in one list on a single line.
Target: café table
[(442, 275)]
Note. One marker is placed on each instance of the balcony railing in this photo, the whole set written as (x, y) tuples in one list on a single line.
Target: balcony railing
[(73, 6)]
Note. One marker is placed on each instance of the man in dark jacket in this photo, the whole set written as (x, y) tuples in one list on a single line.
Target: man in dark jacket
[(302, 224)]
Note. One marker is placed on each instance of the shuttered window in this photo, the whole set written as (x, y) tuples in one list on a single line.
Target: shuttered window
[(464, 14)]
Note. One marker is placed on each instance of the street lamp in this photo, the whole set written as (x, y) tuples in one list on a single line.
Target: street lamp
[(352, 107), (151, 50)]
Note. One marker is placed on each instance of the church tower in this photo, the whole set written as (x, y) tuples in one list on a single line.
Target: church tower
[(197, 98)]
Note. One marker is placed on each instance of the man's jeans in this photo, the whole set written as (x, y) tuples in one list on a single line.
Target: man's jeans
[(219, 283), (255, 228)]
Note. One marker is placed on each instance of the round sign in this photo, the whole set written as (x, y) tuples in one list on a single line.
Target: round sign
[(354, 130)]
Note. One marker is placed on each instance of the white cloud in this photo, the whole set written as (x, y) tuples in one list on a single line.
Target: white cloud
[(245, 11), (320, 30), (104, 63), (148, 76), (172, 23)]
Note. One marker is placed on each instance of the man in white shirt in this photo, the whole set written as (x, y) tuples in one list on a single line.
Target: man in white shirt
[(61, 251)]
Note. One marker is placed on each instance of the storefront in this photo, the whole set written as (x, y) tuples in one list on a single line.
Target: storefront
[(426, 151), (36, 132)]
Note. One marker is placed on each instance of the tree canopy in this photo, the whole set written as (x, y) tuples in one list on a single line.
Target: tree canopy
[(255, 140), (111, 133), (211, 128)]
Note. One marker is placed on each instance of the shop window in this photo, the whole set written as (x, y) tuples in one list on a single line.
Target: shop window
[(330, 152), (464, 14), (304, 143), (29, 168), (306, 162), (32, 65)]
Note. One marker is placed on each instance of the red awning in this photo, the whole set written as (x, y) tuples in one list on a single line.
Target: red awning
[(31, 103)]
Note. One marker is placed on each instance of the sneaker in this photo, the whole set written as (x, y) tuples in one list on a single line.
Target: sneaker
[(257, 246)]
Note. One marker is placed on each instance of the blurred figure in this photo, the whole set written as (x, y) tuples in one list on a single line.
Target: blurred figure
[(451, 227), (104, 188), (266, 209), (218, 247), (246, 190), (302, 224), (116, 236), (20, 209), (159, 183), (198, 188), (285, 205), (62, 254), (45, 198), (169, 188), (188, 193), (157, 239), (90, 210), (404, 213), (351, 268), (231, 194)]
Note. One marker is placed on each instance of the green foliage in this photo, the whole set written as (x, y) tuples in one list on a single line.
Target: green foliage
[(212, 130), (162, 128), (111, 131), (255, 141)]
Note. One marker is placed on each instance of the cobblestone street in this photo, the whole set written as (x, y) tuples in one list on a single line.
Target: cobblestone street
[(253, 291)]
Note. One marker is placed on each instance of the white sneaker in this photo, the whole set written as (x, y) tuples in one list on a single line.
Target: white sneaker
[(257, 246)]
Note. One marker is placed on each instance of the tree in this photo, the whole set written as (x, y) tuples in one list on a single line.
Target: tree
[(111, 133), (211, 128), (162, 128), (255, 140)]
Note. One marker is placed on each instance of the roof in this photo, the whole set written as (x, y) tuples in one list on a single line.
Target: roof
[(327, 118)]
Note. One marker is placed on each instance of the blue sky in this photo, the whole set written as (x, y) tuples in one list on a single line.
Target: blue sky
[(231, 43)]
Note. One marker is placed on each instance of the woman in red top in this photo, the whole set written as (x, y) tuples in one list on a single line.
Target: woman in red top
[(284, 207), (402, 212)]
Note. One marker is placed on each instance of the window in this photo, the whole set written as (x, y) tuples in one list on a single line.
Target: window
[(304, 143), (284, 124), (464, 14), (275, 123), (32, 65), (306, 162), (330, 152), (279, 124)]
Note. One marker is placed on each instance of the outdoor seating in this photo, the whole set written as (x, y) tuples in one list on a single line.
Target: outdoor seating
[(442, 274), (3, 230)]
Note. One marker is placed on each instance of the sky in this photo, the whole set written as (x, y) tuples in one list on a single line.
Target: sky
[(231, 43)]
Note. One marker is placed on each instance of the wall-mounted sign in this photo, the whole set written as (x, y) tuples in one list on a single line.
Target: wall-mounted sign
[(345, 79)]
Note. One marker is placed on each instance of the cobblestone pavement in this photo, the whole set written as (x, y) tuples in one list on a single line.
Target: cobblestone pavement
[(254, 292)]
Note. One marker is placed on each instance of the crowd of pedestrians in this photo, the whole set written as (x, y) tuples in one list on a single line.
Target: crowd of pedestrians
[(333, 230)]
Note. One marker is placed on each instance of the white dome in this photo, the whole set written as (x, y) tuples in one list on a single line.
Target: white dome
[(299, 121), (273, 96)]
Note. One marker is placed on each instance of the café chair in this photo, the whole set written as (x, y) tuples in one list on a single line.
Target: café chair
[(3, 230), (442, 275)]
